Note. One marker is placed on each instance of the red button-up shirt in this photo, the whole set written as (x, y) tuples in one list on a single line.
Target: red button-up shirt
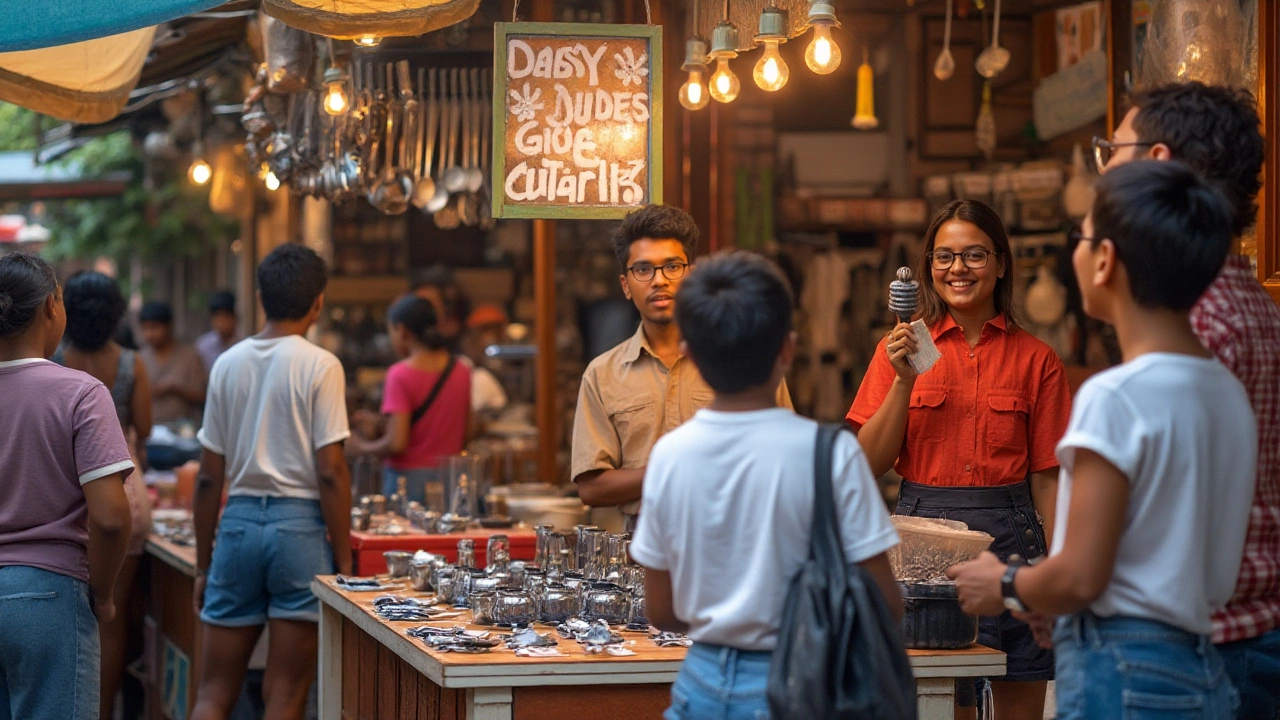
[(982, 416), (1240, 323)]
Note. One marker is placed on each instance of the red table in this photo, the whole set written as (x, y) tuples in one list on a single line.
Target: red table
[(367, 548)]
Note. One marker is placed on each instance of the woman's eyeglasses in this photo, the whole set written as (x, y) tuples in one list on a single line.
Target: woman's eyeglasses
[(1104, 150), (974, 258)]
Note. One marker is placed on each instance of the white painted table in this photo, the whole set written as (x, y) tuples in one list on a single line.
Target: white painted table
[(370, 668)]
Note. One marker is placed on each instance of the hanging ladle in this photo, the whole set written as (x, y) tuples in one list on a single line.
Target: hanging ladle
[(448, 136), (455, 178), (945, 65), (994, 59), (391, 194), (475, 175), (425, 188)]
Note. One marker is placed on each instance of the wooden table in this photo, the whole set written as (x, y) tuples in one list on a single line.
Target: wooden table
[(172, 628), (370, 669), (367, 547)]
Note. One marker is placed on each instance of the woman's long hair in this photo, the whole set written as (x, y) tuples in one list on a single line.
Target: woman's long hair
[(932, 307)]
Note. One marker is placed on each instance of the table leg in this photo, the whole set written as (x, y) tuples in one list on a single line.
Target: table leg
[(936, 698), (330, 665), (489, 704)]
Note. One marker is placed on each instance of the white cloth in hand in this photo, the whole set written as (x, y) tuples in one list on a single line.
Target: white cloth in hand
[(927, 354)]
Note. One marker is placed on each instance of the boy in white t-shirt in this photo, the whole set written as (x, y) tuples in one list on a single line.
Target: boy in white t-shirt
[(728, 496), (1157, 469)]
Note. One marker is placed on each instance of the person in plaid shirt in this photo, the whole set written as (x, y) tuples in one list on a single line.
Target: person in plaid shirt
[(1214, 131)]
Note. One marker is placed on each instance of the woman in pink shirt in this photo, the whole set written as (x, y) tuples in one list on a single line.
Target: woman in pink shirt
[(427, 401)]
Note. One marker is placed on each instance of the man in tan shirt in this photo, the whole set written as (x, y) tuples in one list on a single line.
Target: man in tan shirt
[(643, 388)]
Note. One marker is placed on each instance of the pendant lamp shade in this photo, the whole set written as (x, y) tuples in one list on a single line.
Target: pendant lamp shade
[(35, 24), (84, 82), (355, 19)]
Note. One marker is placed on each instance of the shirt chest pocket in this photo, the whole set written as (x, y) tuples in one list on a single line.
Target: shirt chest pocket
[(926, 420), (1007, 422), (637, 427)]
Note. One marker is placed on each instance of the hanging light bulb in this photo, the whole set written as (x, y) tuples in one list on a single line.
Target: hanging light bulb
[(693, 94), (200, 171), (725, 86), (771, 71), (368, 41), (823, 54), (271, 181), (865, 116), (335, 100)]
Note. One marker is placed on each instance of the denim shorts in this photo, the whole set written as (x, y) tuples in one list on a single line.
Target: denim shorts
[(49, 648), (265, 555), (721, 683), (1254, 668), (1006, 514), (1124, 668)]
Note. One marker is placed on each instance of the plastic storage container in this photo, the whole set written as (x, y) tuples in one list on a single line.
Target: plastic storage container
[(929, 546), (932, 618)]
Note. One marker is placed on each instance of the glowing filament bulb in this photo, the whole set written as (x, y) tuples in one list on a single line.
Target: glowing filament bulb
[(368, 41), (724, 84), (272, 182), (200, 172), (823, 55), (771, 71), (335, 101), (693, 94)]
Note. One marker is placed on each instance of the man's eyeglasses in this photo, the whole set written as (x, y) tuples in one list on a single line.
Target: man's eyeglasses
[(973, 258), (1104, 150), (1075, 236), (644, 272)]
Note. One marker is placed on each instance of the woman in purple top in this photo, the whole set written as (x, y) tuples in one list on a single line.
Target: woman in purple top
[(64, 517)]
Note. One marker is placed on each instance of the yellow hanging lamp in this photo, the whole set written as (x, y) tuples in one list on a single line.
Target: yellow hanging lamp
[(864, 117), (367, 21)]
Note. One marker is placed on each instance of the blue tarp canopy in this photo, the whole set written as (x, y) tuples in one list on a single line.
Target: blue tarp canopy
[(34, 24)]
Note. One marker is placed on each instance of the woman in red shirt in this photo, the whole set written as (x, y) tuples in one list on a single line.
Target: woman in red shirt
[(973, 438), (426, 399)]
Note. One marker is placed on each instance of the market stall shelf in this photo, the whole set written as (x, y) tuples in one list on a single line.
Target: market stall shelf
[(370, 668), (173, 630)]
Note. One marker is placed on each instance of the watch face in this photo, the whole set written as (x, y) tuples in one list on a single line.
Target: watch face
[(1014, 605)]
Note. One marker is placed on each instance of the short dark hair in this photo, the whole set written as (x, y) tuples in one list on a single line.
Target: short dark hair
[(418, 316), (1171, 229), (655, 222), (95, 307), (1214, 130), (457, 306), (734, 311), (26, 282), (979, 214), (156, 311), (222, 301), (290, 279)]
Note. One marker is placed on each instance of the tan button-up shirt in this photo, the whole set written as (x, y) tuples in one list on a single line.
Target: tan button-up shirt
[(628, 400)]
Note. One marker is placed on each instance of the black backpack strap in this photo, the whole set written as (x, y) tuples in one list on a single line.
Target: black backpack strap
[(435, 392), (824, 539)]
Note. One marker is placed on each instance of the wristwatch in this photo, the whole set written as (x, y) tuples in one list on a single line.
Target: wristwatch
[(1009, 592)]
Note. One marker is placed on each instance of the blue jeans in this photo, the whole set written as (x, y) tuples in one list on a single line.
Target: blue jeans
[(266, 552), (1125, 668), (50, 659), (721, 683), (424, 486), (1254, 668)]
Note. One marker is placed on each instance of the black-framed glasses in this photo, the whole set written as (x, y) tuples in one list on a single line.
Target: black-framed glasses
[(644, 272), (973, 258), (1075, 236), (1103, 149)]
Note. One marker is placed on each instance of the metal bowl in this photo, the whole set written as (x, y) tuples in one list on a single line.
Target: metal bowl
[(399, 562)]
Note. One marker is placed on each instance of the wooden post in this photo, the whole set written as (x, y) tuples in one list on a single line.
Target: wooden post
[(1268, 107), (544, 332)]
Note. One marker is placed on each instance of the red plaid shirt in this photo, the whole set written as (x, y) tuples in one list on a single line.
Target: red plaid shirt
[(1240, 323)]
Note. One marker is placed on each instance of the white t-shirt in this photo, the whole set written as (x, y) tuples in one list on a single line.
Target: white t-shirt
[(271, 405), (727, 509), (1182, 431)]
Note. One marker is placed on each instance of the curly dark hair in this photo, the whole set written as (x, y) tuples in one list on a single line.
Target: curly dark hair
[(1212, 130), (95, 307), (655, 222)]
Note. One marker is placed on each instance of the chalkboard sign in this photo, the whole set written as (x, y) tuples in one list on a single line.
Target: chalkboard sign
[(577, 120)]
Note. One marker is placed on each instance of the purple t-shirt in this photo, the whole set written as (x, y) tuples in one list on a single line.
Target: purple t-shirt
[(58, 431)]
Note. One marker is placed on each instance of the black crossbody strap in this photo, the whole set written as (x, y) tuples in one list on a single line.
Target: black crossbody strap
[(435, 392), (824, 539)]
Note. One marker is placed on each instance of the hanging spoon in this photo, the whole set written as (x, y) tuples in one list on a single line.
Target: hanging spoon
[(475, 176), (994, 59), (945, 66), (455, 178), (441, 198)]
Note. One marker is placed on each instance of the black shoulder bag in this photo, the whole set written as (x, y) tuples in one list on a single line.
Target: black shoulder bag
[(840, 652), (435, 391)]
